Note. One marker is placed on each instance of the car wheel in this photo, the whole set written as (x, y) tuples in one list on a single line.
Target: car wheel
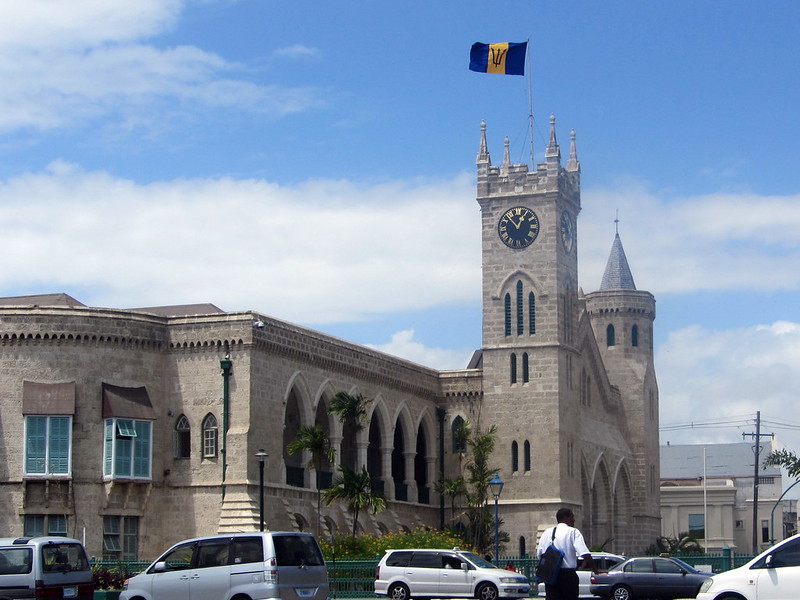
[(399, 591), (621, 592), (486, 591)]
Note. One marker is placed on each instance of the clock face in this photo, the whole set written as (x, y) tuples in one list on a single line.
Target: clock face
[(518, 227), (567, 233)]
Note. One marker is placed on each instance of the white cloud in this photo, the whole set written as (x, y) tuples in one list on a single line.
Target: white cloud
[(405, 346), (67, 64), (708, 376), (320, 251)]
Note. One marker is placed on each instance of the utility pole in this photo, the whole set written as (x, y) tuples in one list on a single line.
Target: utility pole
[(756, 450)]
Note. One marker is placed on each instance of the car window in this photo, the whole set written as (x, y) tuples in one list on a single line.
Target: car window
[(64, 557), (644, 565), (246, 550), (426, 560), (297, 550), (666, 566), (398, 559), (15, 561), (180, 557), (451, 561), (212, 553), (787, 555)]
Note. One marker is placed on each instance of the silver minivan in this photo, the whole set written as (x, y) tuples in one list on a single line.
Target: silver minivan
[(258, 565), (44, 567)]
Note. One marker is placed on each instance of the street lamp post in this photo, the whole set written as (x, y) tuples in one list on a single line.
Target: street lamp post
[(261, 457), (496, 486)]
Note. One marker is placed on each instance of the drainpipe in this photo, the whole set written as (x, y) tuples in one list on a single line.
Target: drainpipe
[(440, 412), (226, 365)]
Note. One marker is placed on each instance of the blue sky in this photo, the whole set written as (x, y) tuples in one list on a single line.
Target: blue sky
[(314, 161)]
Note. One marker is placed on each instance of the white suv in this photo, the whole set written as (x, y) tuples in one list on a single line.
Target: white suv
[(773, 574), (426, 573)]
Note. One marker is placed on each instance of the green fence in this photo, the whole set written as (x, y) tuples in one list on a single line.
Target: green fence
[(355, 578)]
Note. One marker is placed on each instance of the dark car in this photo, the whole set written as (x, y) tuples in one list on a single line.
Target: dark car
[(648, 577)]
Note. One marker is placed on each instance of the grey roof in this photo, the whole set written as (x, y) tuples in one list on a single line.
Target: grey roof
[(685, 461), (618, 274), (180, 310), (60, 299)]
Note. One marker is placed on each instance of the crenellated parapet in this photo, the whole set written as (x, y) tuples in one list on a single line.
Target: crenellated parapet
[(517, 179)]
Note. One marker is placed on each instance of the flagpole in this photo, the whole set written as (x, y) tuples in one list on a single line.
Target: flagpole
[(530, 99)]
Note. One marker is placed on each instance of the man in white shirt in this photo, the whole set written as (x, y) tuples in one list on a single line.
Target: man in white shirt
[(570, 541)]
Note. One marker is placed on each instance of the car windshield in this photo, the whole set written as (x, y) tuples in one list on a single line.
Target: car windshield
[(478, 561)]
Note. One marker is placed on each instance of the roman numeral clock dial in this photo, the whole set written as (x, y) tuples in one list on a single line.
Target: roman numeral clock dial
[(518, 227)]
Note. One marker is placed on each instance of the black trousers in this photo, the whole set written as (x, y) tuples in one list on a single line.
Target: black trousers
[(566, 588)]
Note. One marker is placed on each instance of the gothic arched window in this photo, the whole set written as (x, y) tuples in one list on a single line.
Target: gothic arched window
[(183, 438), (514, 456), (210, 436), (520, 314), (532, 313), (525, 373), (508, 314), (610, 337), (513, 368), (635, 335), (459, 442), (526, 455)]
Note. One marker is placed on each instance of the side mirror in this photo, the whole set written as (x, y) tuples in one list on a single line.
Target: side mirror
[(464, 566), (768, 561), (160, 567)]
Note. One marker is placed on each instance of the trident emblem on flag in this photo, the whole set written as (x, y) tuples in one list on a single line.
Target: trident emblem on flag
[(498, 54)]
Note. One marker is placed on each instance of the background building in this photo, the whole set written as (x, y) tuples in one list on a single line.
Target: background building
[(708, 490), (136, 428)]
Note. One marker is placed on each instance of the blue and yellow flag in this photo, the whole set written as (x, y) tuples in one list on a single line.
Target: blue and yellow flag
[(507, 58)]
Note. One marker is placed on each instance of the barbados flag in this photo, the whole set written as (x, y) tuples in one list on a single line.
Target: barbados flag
[(507, 58)]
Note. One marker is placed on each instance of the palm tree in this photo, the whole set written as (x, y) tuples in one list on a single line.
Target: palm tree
[(355, 489), (479, 474), (685, 543), (315, 440), (352, 412), (453, 487)]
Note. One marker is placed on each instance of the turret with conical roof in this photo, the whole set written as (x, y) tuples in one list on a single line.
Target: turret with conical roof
[(622, 319)]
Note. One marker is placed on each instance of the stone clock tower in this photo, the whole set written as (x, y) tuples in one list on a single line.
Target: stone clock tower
[(561, 438)]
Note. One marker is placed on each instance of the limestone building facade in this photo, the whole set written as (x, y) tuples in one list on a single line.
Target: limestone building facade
[(133, 429)]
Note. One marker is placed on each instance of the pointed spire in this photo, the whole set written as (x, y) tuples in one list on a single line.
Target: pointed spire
[(553, 151), (483, 151), (573, 164), (618, 274), (506, 154)]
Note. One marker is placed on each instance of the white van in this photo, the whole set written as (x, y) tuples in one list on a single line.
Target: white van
[(426, 573), (258, 565), (44, 567)]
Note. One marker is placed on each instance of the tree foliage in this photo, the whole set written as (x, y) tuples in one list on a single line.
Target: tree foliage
[(314, 440), (684, 543), (357, 490), (350, 408), (786, 459)]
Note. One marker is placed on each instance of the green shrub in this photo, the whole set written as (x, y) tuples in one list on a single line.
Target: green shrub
[(370, 546)]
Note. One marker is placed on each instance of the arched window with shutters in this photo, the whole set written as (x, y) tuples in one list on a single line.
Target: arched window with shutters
[(513, 367), (610, 336), (532, 313), (183, 438), (525, 372), (508, 314), (520, 313), (210, 436), (514, 456), (635, 335)]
